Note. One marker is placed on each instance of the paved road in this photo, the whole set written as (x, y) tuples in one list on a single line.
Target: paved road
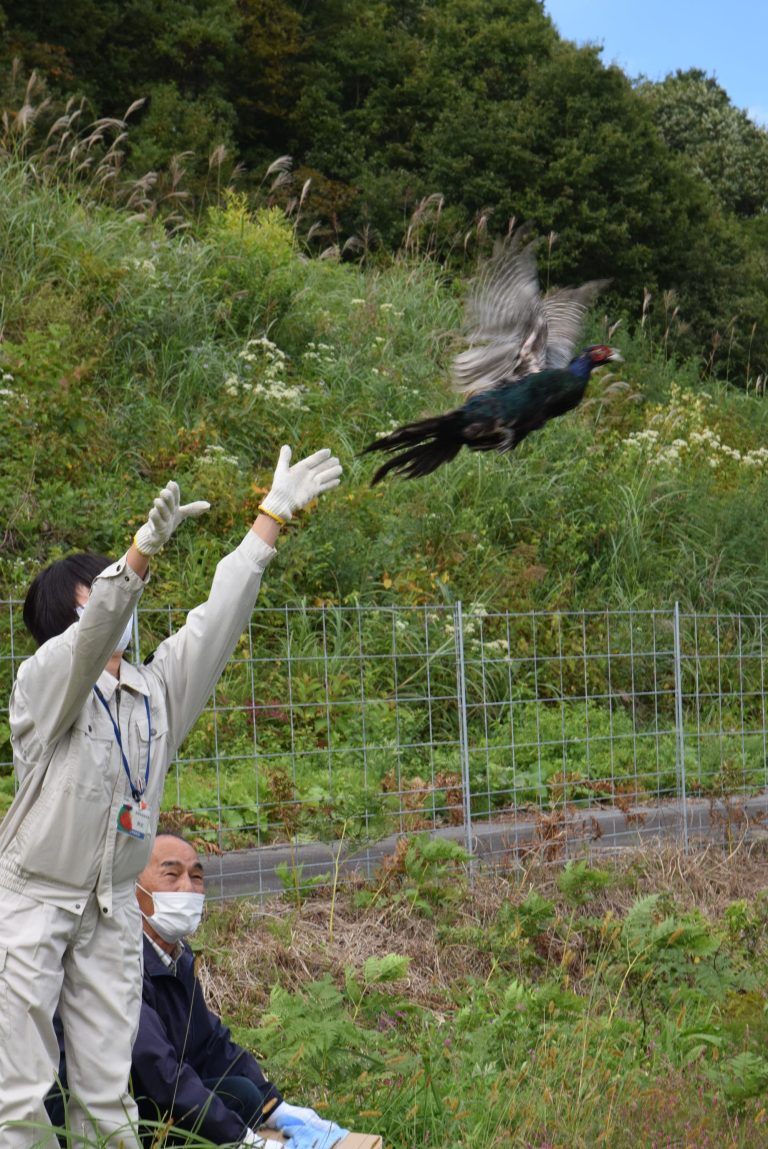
[(252, 872)]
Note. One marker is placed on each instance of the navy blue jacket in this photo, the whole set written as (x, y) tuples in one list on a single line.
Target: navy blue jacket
[(179, 1043)]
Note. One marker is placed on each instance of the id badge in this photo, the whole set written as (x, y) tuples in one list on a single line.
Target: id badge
[(133, 819)]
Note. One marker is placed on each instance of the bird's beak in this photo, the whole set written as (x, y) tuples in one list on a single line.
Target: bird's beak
[(615, 356)]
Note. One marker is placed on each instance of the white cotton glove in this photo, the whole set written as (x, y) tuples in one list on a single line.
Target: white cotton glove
[(299, 1113), (165, 516), (295, 486), (259, 1142)]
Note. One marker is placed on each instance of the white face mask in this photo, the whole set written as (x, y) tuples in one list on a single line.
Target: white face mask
[(125, 638), (177, 913)]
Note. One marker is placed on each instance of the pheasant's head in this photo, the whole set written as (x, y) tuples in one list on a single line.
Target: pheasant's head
[(598, 354), (592, 357)]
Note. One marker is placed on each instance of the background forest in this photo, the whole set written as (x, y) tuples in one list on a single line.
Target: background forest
[(473, 110)]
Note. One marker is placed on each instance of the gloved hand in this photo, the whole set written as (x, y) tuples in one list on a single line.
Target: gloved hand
[(165, 516), (305, 1135), (295, 486), (253, 1138), (300, 1112), (305, 1128)]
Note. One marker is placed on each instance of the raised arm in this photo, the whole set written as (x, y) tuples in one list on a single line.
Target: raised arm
[(190, 662), (53, 686)]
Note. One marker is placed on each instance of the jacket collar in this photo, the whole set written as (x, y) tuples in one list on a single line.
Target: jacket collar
[(130, 676), (154, 964)]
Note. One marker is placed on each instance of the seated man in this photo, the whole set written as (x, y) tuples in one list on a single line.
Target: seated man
[(186, 1068)]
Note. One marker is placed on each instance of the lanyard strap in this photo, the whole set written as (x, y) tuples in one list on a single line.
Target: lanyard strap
[(136, 793)]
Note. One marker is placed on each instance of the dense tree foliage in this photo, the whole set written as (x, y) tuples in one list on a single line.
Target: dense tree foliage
[(383, 104), (726, 148)]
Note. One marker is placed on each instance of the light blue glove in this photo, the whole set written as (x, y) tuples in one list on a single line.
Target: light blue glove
[(302, 1135)]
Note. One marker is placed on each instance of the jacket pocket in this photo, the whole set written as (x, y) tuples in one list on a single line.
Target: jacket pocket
[(61, 839), (154, 730), (151, 739)]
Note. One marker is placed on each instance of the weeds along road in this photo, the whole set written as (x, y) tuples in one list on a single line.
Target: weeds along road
[(554, 836)]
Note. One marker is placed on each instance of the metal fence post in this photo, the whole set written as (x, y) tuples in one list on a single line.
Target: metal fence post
[(461, 699), (679, 730)]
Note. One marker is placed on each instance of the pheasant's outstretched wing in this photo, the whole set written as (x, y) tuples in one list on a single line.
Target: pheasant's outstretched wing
[(505, 321), (564, 312)]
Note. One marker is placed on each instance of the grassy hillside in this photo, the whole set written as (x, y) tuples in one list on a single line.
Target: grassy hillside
[(130, 356)]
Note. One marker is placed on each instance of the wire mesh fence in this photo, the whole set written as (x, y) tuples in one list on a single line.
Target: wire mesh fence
[(333, 729)]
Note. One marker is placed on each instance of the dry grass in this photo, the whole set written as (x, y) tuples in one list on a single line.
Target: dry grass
[(62, 146), (257, 946), (252, 945)]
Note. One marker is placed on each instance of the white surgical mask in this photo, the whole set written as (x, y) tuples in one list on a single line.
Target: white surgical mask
[(177, 913), (125, 638)]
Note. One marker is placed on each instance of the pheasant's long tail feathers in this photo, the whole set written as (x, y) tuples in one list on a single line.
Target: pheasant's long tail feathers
[(422, 447), (418, 461)]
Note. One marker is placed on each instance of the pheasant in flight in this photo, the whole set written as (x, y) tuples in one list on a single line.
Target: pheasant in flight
[(518, 371)]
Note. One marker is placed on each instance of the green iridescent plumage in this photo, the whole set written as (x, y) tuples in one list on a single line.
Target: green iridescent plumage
[(517, 372)]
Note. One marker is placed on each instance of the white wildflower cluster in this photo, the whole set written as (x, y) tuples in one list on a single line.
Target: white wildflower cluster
[(321, 353), (216, 454), (679, 431), (393, 424), (475, 631), (258, 350), (641, 438), (658, 453), (704, 443), (289, 395), (497, 646), (756, 458), (477, 610), (7, 392), (146, 267), (385, 308), (261, 374)]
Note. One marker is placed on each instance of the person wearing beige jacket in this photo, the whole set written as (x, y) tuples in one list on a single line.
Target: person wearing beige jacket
[(93, 737)]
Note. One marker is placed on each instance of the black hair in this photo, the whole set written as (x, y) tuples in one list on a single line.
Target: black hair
[(49, 607)]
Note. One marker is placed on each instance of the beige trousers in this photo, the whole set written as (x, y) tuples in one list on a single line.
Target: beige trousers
[(90, 967)]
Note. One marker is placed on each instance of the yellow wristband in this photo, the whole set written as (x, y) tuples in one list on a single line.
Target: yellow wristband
[(138, 548), (272, 515)]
